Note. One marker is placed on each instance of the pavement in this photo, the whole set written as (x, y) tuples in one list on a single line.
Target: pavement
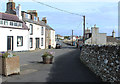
[(66, 67)]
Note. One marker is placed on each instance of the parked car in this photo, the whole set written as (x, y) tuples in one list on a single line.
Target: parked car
[(58, 46)]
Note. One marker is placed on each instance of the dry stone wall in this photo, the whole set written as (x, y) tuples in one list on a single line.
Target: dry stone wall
[(104, 61)]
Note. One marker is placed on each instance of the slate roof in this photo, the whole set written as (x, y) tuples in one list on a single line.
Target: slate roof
[(35, 22), (11, 17), (38, 23), (48, 27)]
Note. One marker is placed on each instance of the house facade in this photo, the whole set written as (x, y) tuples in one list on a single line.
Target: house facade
[(36, 31), (13, 33), (95, 37), (49, 35), (23, 31)]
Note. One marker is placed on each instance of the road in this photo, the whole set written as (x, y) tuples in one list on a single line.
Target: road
[(67, 67)]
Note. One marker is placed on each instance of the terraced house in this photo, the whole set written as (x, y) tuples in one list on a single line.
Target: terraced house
[(13, 33), (23, 31), (36, 29)]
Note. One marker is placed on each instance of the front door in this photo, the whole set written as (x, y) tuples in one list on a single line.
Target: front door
[(10, 43), (37, 42)]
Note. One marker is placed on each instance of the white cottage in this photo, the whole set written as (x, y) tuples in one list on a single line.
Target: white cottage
[(13, 33), (36, 31)]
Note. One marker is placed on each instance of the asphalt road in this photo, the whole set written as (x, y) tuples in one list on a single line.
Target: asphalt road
[(67, 67)]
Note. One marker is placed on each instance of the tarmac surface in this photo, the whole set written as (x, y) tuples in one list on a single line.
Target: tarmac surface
[(66, 67)]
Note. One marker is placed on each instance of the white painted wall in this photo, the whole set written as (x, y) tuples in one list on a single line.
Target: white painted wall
[(97, 38), (52, 37), (4, 32), (36, 34)]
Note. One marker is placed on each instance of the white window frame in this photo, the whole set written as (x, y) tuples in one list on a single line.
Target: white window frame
[(1, 22), (11, 22), (19, 43), (31, 42), (31, 29), (42, 30), (5, 22), (42, 42), (15, 23)]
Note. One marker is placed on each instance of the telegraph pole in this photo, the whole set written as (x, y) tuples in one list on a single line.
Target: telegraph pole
[(72, 37), (83, 29)]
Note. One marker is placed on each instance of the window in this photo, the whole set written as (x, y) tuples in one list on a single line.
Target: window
[(11, 23), (20, 24), (41, 41), (26, 15), (42, 31), (35, 18), (31, 42), (1, 22), (31, 29), (19, 40), (15, 23), (5, 22)]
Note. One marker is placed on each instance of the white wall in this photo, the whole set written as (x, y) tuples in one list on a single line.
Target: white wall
[(52, 36), (4, 32), (97, 38), (36, 34)]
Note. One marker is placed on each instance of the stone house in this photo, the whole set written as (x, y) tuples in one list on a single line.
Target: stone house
[(95, 37)]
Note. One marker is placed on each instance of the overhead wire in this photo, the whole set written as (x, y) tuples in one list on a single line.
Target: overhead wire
[(57, 8)]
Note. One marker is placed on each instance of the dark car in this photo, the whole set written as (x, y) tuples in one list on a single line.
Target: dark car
[(58, 46)]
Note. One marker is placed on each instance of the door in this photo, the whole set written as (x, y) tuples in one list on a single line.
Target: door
[(37, 42), (10, 43)]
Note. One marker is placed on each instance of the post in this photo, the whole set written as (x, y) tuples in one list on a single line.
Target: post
[(57, 36), (72, 37), (83, 29)]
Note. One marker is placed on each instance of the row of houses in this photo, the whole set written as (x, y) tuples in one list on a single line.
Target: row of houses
[(23, 31)]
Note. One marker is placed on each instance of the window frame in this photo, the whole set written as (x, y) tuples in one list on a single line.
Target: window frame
[(42, 30), (1, 21), (31, 29), (20, 24), (21, 37), (5, 22), (12, 23), (42, 42), (15, 23), (31, 41)]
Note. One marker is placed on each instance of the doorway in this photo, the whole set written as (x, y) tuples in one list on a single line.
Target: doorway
[(9, 42), (37, 43)]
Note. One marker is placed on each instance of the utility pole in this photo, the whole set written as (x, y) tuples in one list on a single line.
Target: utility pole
[(72, 37), (83, 29)]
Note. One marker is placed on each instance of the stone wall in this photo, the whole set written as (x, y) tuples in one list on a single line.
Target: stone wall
[(104, 61)]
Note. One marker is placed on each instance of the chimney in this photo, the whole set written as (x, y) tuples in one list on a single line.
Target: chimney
[(10, 7), (10, 0), (113, 34), (18, 12), (32, 17), (23, 14), (38, 18), (44, 20)]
